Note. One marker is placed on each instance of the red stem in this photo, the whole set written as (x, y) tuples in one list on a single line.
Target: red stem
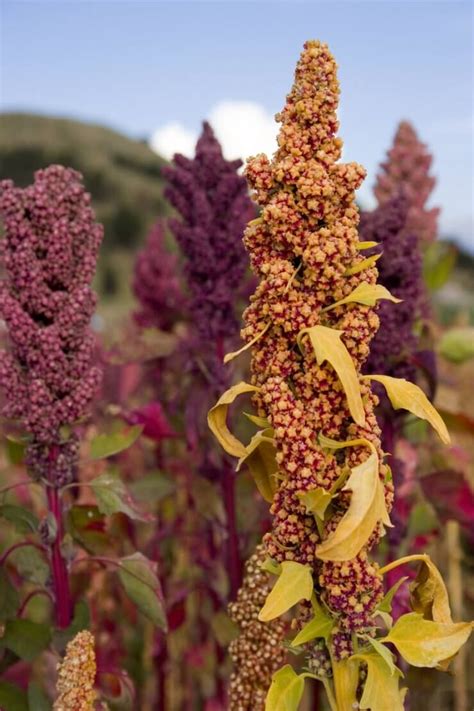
[(15, 546), (232, 543), (59, 570)]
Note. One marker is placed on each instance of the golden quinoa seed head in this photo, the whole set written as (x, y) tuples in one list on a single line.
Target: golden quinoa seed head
[(301, 249), (76, 675)]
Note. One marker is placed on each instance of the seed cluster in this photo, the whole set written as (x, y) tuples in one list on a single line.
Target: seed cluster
[(305, 250), (257, 653), (76, 675)]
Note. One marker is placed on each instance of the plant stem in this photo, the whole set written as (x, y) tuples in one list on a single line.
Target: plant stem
[(58, 564), (233, 556), (402, 561), (15, 546)]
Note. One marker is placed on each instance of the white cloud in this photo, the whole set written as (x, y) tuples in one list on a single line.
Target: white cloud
[(242, 127)]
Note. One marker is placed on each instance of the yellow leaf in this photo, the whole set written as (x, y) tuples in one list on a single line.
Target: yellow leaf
[(259, 421), (366, 245), (260, 457), (366, 509), (217, 419), (408, 396), (294, 584), (329, 443), (367, 294), (424, 643), (316, 501), (319, 626), (230, 356), (285, 691), (428, 594), (381, 689), (383, 652), (346, 681), (364, 264), (328, 346)]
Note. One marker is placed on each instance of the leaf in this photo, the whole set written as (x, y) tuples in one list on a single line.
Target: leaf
[(457, 344), (438, 263), (37, 700), (384, 652), (87, 526), (381, 689), (366, 245), (408, 396), (153, 420), (223, 628), (346, 681), (106, 445), (367, 294), (230, 356), (15, 451), (217, 419), (26, 638), (271, 566), (428, 594), (259, 421), (12, 698), (286, 690), (328, 346), (260, 458), (207, 499), (23, 520), (316, 501), (31, 564), (386, 603), (294, 584), (366, 509), (9, 599), (364, 264), (424, 643), (112, 497), (80, 621), (137, 575), (319, 626), (152, 487)]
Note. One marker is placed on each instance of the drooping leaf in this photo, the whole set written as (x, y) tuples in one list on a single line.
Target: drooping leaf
[(80, 621), (367, 294), (428, 594), (346, 681), (37, 699), (217, 419), (140, 582), (316, 501), (320, 625), (295, 583), (12, 698), (23, 520), (408, 396), (328, 346), (366, 509), (31, 564), (386, 603), (260, 458), (230, 356), (364, 264), (9, 599), (112, 497), (26, 638), (424, 643), (286, 690), (457, 344), (381, 689), (384, 652), (106, 445)]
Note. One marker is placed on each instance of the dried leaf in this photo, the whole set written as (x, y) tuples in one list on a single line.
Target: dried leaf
[(364, 264), (366, 509), (217, 419), (260, 458), (286, 690), (328, 346), (428, 594), (230, 356), (295, 583), (367, 294), (424, 643), (381, 688), (408, 396)]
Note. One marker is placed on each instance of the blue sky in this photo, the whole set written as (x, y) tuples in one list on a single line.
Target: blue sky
[(138, 66)]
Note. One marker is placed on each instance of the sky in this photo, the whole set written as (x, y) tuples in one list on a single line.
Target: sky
[(156, 69)]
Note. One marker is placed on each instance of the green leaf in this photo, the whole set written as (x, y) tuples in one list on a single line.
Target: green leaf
[(260, 457), (138, 577), (37, 699), (328, 346), (86, 525), (26, 638), (112, 497), (408, 396), (423, 643), (31, 564), (217, 419), (153, 487), (366, 509), (286, 690), (271, 566), (80, 621), (207, 499), (12, 698), (15, 451), (386, 603), (106, 445), (23, 520), (316, 501), (438, 263), (295, 583), (384, 652), (9, 599), (223, 628), (457, 344), (422, 520), (320, 625), (367, 294), (381, 689)]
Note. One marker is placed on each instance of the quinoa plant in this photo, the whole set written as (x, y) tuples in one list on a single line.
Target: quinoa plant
[(317, 458)]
